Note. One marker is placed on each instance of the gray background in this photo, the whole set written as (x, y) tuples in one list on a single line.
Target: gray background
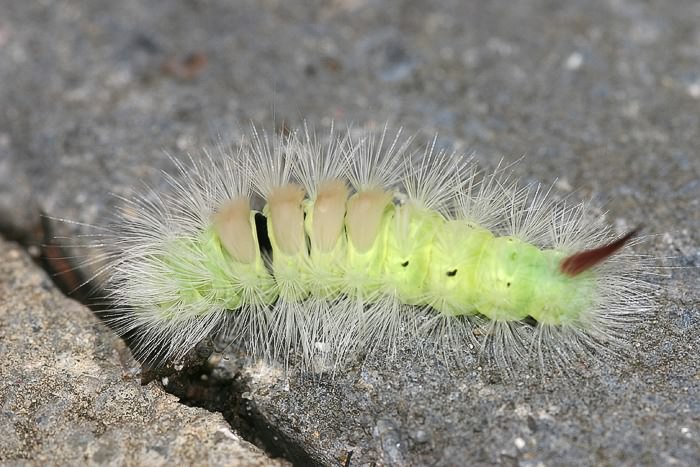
[(602, 96)]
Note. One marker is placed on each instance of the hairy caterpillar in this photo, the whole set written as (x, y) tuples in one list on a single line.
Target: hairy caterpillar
[(308, 247)]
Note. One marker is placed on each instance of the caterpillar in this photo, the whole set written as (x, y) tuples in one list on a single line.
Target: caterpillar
[(326, 248)]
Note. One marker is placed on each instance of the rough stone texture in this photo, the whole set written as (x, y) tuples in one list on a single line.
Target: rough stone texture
[(604, 96), (70, 395)]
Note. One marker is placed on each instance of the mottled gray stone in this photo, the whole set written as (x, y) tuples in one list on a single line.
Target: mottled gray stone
[(602, 96), (70, 393)]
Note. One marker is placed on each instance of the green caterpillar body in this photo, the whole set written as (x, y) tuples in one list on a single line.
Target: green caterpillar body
[(417, 256), (358, 243)]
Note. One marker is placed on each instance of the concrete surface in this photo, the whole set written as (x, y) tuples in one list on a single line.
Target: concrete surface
[(604, 97), (70, 392)]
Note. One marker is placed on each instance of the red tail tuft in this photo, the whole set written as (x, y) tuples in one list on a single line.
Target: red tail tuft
[(584, 260)]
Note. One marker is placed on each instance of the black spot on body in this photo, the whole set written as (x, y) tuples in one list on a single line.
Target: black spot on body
[(530, 321)]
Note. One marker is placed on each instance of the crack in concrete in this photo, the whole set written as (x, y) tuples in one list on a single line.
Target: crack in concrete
[(193, 384)]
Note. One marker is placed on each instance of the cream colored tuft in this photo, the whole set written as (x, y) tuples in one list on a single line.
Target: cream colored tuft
[(232, 225), (287, 217), (329, 214), (364, 217)]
